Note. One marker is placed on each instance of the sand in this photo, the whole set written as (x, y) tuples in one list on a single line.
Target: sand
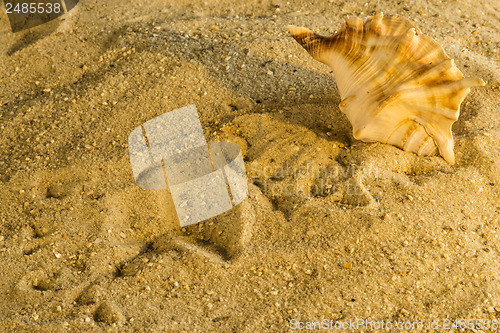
[(333, 228)]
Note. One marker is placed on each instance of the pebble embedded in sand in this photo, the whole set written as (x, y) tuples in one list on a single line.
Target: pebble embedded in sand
[(107, 313), (57, 191), (89, 296), (44, 284), (131, 268), (43, 227)]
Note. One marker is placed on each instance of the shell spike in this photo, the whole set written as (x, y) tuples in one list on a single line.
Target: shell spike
[(295, 31), (313, 43), (354, 22), (377, 24)]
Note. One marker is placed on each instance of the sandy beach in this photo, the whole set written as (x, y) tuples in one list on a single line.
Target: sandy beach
[(333, 231)]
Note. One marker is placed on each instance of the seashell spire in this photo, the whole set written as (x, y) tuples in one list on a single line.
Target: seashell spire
[(397, 86)]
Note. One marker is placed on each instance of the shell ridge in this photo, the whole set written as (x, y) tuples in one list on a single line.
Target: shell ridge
[(443, 95), (354, 40), (443, 139), (446, 113), (391, 78), (415, 138), (432, 74), (428, 147), (397, 128), (367, 69), (428, 51)]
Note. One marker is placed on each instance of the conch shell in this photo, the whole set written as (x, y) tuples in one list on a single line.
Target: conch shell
[(397, 86)]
